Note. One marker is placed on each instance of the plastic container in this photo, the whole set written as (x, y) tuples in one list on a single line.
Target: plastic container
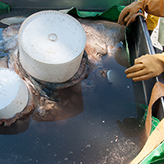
[(13, 94), (51, 45)]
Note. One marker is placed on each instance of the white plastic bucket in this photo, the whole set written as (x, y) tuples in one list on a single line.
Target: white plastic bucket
[(13, 94), (51, 45)]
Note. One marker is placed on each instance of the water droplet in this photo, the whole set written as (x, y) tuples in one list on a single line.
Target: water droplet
[(71, 152), (88, 146)]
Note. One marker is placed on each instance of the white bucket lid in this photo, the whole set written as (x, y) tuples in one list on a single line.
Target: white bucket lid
[(52, 37), (13, 94)]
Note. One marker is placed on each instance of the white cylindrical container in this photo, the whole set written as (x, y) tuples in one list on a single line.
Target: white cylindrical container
[(13, 94), (51, 45)]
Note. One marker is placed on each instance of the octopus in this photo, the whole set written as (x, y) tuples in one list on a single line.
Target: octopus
[(57, 101)]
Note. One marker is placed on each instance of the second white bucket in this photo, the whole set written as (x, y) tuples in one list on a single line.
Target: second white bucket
[(13, 94)]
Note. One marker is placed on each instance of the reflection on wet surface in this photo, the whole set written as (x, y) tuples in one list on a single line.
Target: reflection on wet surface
[(96, 122), (3, 51)]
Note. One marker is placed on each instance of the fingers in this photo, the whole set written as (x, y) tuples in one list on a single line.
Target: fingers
[(137, 73), (133, 18), (144, 77), (128, 18), (122, 16), (134, 68)]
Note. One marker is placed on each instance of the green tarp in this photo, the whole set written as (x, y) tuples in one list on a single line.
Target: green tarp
[(111, 14), (156, 156), (4, 8)]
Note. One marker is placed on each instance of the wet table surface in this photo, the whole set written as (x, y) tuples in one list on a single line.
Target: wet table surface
[(104, 125)]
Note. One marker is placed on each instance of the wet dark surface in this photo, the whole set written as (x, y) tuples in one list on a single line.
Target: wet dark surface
[(104, 125), (104, 128), (3, 51)]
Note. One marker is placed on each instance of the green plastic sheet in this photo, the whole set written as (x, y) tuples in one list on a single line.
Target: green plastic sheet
[(4, 8), (111, 14), (156, 156)]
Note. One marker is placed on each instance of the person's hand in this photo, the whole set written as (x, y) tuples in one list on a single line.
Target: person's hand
[(129, 11), (146, 67)]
